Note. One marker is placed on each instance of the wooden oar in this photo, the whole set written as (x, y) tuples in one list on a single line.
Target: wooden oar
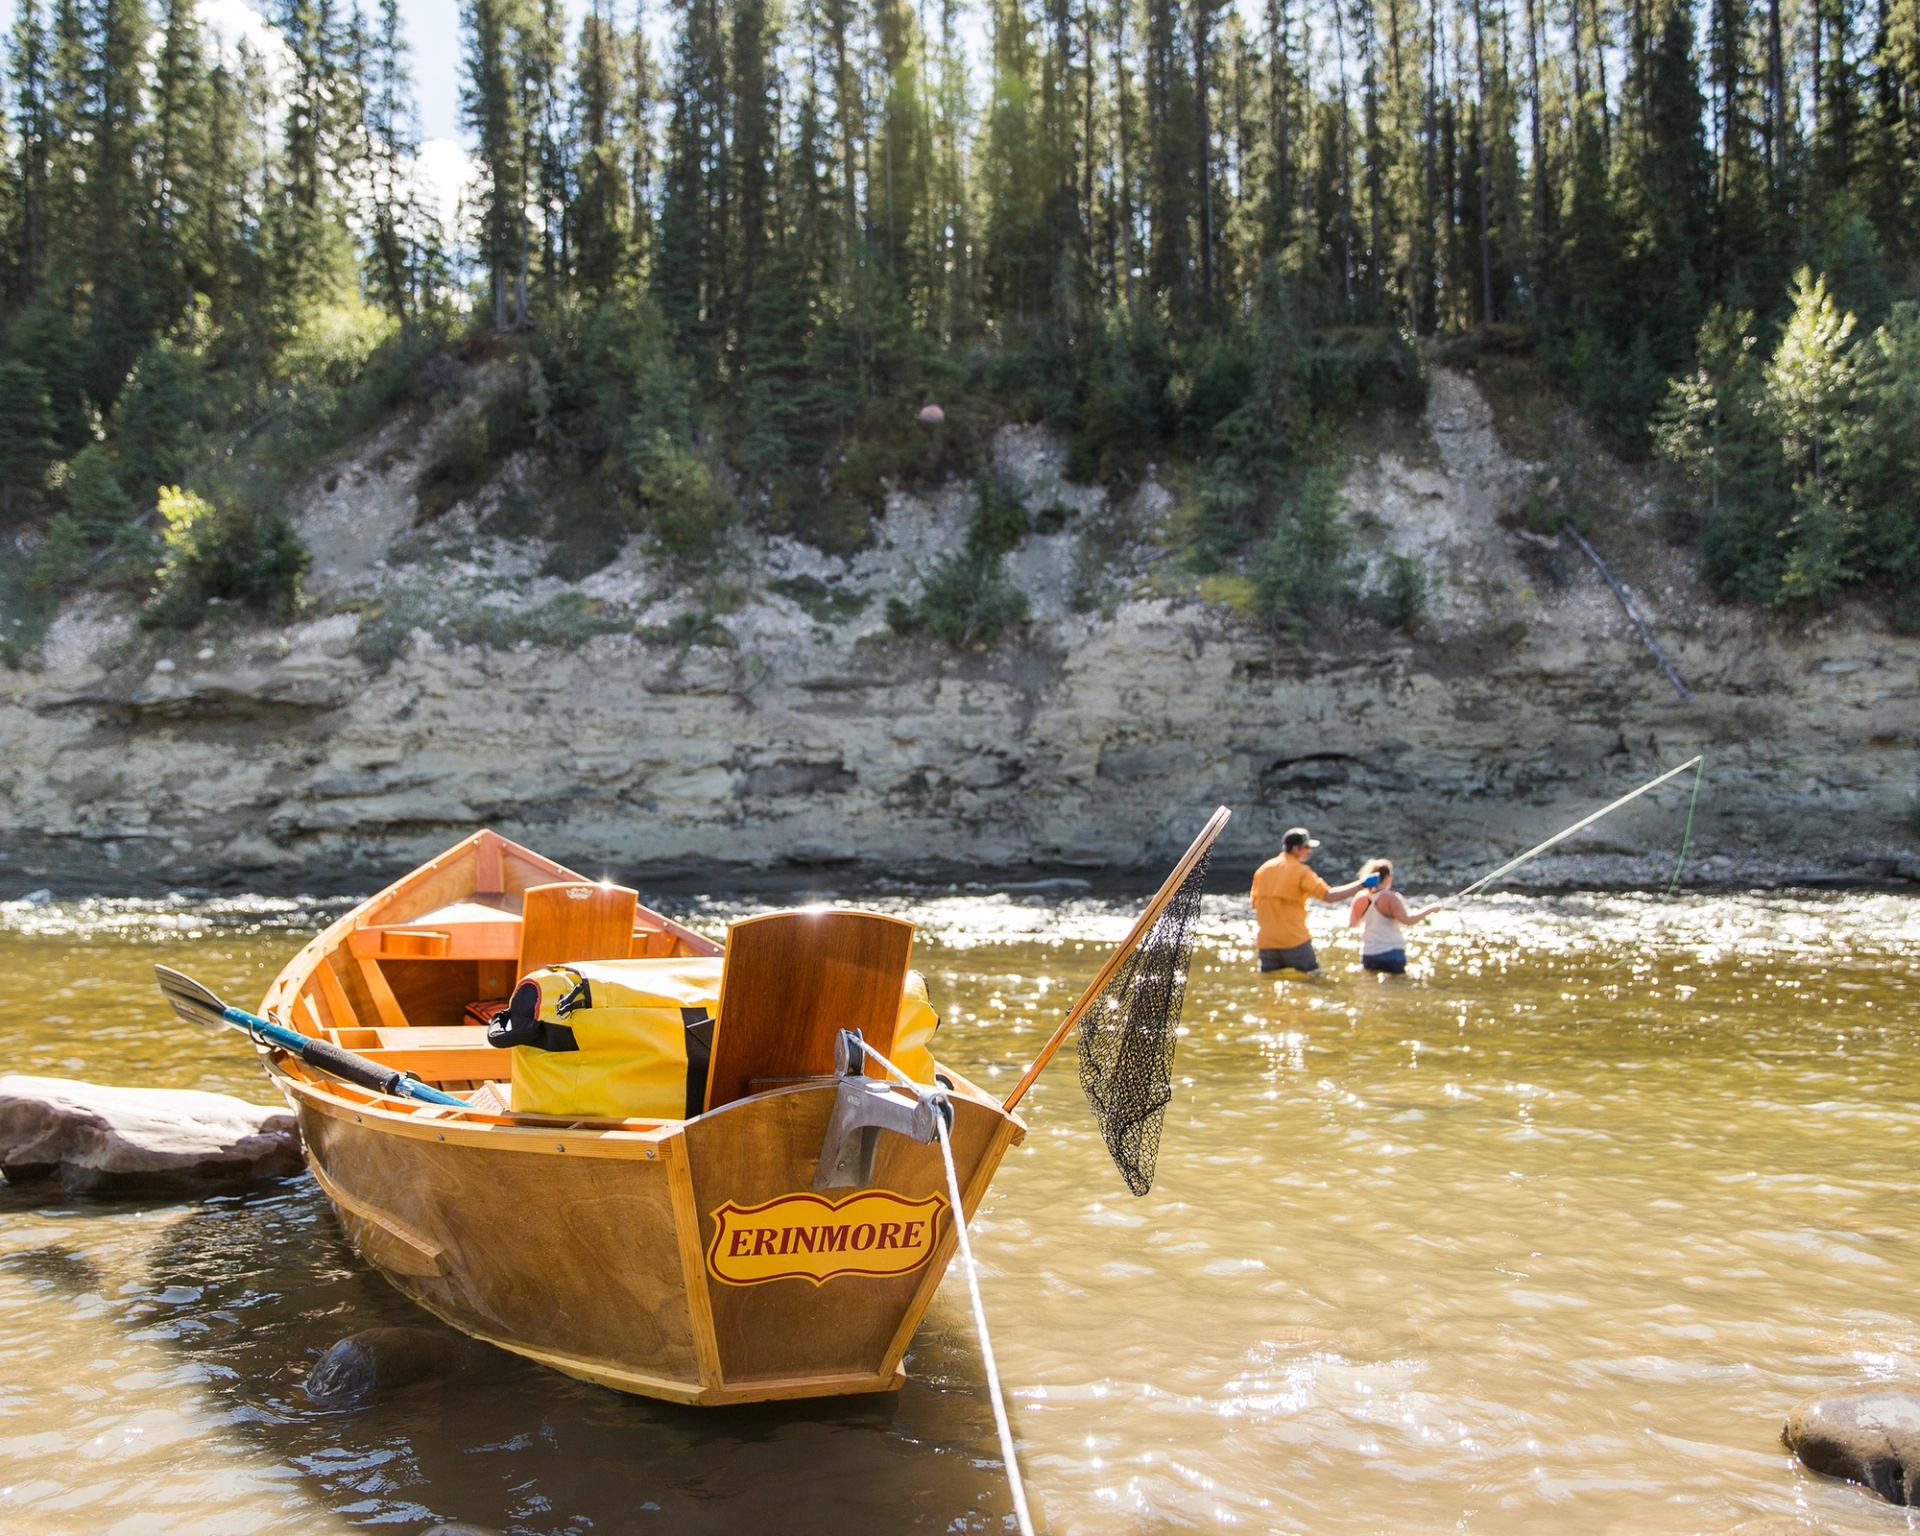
[(1216, 823), (197, 1005)]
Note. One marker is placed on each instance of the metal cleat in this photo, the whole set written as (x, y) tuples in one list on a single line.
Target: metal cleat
[(865, 1106)]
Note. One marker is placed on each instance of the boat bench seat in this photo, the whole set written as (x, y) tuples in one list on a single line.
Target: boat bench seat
[(432, 1053)]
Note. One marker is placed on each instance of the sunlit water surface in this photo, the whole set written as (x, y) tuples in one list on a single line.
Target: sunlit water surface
[(1546, 1237)]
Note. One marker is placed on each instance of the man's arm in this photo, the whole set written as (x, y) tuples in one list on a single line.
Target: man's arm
[(1335, 893)]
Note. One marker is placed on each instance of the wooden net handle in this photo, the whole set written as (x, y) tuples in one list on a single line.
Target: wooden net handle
[(1216, 823)]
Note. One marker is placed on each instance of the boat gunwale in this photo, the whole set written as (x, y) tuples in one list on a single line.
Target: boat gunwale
[(469, 1126)]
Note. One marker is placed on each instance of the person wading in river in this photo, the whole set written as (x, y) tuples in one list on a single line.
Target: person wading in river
[(1383, 941), (1281, 889)]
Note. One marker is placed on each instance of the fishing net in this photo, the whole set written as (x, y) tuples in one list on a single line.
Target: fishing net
[(1128, 1034)]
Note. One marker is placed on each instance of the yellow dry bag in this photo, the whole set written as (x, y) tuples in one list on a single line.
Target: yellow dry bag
[(631, 1039)]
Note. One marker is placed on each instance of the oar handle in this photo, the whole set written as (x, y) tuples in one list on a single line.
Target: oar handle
[(337, 1061)]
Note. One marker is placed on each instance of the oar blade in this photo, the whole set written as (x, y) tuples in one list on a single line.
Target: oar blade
[(189, 999)]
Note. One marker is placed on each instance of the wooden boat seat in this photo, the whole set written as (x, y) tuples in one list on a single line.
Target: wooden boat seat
[(491, 927), (791, 982), (575, 920), (431, 1052)]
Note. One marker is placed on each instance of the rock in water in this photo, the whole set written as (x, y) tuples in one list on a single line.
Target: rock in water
[(166, 1141), (1867, 1435), (379, 1359)]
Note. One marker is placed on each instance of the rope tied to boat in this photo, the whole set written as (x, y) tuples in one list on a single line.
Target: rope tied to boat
[(1015, 1484)]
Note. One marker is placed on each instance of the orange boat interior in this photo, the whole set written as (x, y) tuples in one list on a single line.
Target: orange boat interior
[(408, 979)]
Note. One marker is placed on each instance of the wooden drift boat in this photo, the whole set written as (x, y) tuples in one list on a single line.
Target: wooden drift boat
[(783, 1239)]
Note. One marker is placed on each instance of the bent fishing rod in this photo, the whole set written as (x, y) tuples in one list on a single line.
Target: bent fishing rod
[(1699, 761)]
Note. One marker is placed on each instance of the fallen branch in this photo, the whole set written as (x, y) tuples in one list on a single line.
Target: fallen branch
[(1633, 614)]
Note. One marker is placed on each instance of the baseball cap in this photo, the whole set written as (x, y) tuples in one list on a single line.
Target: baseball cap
[(1298, 837)]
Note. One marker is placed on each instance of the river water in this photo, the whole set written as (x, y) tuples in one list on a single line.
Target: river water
[(1547, 1236)]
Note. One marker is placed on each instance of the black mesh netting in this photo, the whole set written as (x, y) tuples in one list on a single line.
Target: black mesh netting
[(1127, 1036)]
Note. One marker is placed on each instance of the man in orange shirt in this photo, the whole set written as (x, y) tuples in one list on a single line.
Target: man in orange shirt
[(1281, 889)]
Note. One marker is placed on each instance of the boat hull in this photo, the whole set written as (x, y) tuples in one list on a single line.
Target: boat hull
[(601, 1253)]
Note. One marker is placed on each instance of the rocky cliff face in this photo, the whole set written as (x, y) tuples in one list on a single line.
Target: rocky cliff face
[(621, 724)]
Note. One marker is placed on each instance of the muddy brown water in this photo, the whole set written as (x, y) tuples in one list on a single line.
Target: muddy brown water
[(1547, 1236)]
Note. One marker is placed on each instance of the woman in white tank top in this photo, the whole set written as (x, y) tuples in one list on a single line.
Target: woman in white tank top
[(1382, 918)]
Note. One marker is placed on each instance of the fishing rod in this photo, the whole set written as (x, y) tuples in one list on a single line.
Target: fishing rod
[(1699, 761)]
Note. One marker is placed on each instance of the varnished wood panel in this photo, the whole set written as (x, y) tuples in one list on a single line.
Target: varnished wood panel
[(573, 1254), (573, 921), (792, 981), (432, 992), (761, 1148)]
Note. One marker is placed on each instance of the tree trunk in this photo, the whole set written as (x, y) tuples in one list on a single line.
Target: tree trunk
[(1486, 235), (1540, 220), (1203, 137)]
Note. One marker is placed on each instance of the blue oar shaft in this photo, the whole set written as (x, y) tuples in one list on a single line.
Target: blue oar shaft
[(341, 1063)]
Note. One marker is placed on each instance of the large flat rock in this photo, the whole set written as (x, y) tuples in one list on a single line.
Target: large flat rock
[(95, 1139)]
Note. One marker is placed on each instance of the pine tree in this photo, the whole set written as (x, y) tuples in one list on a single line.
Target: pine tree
[(1810, 389), (123, 312), (33, 128), (26, 432), (393, 220), (596, 218), (1015, 265), (689, 274), (491, 102), (752, 161)]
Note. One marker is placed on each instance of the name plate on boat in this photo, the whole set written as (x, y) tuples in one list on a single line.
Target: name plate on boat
[(809, 1237)]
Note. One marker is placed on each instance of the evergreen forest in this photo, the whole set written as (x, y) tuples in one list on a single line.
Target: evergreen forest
[(745, 266)]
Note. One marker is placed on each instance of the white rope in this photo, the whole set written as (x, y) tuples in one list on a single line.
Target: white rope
[(1584, 821), (1014, 1482)]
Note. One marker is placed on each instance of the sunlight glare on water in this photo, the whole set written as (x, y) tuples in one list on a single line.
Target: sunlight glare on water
[(1547, 1236)]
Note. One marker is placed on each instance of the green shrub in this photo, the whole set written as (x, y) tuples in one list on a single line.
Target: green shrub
[(1127, 409), (62, 556), (328, 348), (223, 552), (860, 477), (1400, 599), (1000, 516), (460, 463), (1304, 565), (1363, 370), (967, 601), (92, 491), (153, 424), (563, 622), (26, 432), (57, 344), (1220, 514), (686, 630), (685, 508), (822, 603)]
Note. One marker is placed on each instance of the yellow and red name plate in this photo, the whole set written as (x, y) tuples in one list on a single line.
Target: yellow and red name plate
[(809, 1237)]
